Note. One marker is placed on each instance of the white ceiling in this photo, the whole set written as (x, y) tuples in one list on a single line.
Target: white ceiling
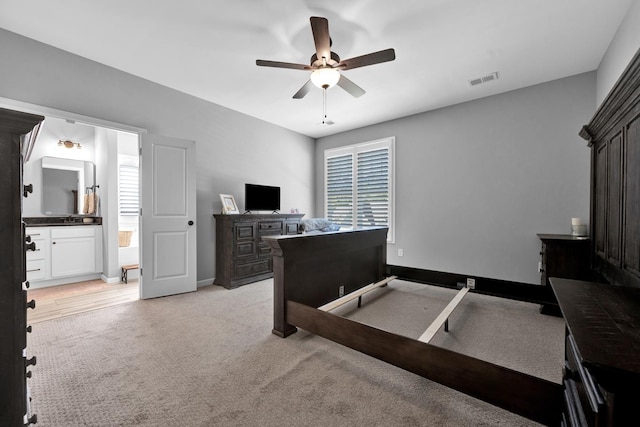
[(208, 48)]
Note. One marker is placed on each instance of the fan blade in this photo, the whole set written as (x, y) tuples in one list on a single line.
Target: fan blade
[(346, 84), (320, 30), (369, 59), (263, 63), (303, 90)]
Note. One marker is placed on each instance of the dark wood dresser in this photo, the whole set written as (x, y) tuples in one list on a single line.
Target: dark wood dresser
[(241, 255), (565, 256), (602, 353), (15, 360)]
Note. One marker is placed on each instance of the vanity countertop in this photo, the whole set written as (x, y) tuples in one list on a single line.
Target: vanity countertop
[(47, 221)]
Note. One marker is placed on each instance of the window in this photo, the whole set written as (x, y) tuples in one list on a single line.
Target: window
[(359, 185), (129, 190)]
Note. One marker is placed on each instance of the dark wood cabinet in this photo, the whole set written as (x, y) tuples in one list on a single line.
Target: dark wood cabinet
[(602, 367), (601, 374), (14, 362), (563, 255), (614, 137), (241, 255)]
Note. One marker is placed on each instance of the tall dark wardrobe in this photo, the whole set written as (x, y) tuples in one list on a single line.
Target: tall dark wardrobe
[(15, 360)]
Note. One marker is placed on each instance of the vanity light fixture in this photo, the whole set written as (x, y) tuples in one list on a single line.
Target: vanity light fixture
[(69, 144)]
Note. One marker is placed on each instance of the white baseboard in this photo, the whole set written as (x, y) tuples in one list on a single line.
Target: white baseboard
[(62, 281), (110, 280), (205, 282)]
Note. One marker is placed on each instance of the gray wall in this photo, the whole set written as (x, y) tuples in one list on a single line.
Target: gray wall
[(476, 181), (624, 45), (232, 148)]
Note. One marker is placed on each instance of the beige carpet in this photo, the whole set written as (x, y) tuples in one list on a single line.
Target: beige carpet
[(209, 359)]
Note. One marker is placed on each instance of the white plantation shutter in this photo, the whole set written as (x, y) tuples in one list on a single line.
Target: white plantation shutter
[(359, 185), (128, 190), (373, 188), (339, 189)]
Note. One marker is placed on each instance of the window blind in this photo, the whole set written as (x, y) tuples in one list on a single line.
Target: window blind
[(359, 185), (373, 188), (339, 189), (128, 189)]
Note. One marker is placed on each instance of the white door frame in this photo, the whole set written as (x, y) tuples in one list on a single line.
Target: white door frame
[(26, 107)]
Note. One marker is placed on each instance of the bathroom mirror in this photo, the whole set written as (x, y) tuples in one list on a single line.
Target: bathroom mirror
[(65, 185)]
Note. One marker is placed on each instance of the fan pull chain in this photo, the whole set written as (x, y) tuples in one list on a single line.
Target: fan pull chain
[(324, 106)]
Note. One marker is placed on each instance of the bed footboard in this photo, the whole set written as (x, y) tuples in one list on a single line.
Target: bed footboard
[(315, 269)]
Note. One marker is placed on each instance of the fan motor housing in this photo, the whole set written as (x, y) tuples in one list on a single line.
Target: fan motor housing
[(334, 60)]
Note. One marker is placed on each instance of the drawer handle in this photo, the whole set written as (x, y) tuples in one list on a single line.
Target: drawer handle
[(32, 361), (31, 271)]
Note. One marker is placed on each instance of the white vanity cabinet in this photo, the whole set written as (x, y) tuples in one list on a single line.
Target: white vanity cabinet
[(38, 259), (74, 251), (64, 254)]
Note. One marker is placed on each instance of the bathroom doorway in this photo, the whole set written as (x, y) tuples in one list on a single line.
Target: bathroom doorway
[(128, 206)]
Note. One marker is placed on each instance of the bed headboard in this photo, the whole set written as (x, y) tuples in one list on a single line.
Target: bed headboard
[(614, 137)]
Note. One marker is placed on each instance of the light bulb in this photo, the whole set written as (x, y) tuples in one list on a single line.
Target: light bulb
[(325, 78)]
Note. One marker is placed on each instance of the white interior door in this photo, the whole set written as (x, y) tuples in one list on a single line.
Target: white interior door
[(168, 202)]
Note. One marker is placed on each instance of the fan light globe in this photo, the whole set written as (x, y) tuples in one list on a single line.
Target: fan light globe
[(325, 78)]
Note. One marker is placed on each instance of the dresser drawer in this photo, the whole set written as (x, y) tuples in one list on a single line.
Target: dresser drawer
[(40, 251), (253, 268), (264, 249), (73, 232), (270, 227), (36, 270), (590, 398), (291, 227), (244, 231), (572, 407), (245, 249)]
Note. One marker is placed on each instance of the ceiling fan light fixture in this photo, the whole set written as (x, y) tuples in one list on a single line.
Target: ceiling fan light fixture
[(324, 78)]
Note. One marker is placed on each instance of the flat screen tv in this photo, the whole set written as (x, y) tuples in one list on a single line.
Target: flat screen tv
[(261, 198)]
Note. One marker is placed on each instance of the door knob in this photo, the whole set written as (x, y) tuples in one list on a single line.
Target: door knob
[(27, 189), (30, 246), (190, 223)]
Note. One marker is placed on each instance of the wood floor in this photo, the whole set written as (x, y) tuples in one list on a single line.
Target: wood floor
[(64, 300)]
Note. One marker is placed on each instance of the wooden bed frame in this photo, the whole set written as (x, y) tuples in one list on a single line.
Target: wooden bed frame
[(310, 271)]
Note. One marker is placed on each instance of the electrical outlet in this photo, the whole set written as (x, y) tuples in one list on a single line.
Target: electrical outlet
[(400, 252), (341, 291), (471, 283)]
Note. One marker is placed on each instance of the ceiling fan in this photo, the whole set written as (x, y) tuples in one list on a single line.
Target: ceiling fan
[(325, 65)]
